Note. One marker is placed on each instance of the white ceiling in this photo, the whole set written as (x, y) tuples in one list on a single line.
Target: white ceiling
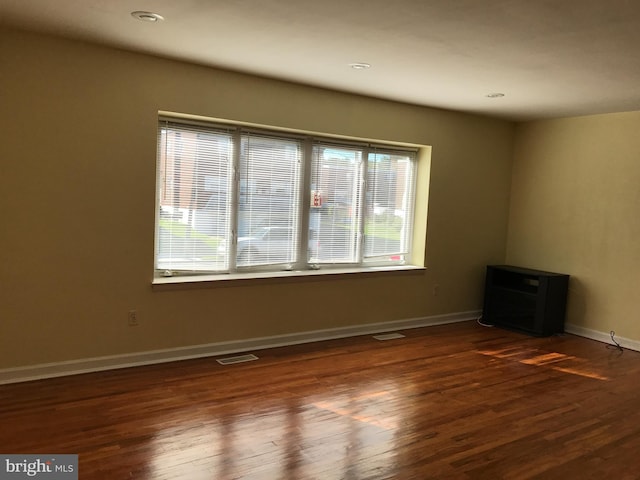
[(550, 58)]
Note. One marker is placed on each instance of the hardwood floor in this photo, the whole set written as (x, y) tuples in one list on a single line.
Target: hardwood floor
[(453, 401)]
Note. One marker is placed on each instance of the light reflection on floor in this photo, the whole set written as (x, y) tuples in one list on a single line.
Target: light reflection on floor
[(302, 439)]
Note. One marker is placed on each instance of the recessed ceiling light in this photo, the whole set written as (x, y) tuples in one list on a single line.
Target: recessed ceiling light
[(147, 16), (359, 66), (495, 95)]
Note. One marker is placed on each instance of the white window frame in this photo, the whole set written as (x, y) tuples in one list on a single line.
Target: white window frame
[(302, 266)]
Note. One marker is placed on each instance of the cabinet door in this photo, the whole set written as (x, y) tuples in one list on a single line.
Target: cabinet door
[(513, 308)]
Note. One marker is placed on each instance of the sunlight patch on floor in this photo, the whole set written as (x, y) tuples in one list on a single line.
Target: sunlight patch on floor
[(539, 358)]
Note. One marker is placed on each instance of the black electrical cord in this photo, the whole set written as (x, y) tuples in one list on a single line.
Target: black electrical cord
[(615, 345)]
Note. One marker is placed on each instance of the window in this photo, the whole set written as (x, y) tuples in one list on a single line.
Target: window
[(232, 199)]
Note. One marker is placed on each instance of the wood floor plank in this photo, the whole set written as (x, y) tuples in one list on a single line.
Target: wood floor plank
[(452, 401)]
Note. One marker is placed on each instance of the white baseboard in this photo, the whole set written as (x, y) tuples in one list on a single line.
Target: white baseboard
[(602, 336), (96, 364)]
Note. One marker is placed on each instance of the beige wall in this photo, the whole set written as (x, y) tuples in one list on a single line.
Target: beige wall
[(575, 208), (77, 190)]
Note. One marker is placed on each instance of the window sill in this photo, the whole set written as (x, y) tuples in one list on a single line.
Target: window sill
[(235, 279)]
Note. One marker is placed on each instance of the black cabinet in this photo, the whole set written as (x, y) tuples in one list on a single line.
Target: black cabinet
[(531, 301)]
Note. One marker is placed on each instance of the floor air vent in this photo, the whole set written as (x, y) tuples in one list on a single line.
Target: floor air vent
[(388, 336), (237, 359)]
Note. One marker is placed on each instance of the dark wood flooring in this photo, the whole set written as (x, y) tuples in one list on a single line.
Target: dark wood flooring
[(446, 402)]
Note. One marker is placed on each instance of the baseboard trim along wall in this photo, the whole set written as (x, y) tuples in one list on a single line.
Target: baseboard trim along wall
[(604, 337), (96, 364)]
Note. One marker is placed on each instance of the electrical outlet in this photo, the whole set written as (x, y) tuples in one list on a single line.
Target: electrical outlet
[(133, 318), (436, 290)]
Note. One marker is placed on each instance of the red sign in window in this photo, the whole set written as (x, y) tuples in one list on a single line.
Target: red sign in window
[(316, 199)]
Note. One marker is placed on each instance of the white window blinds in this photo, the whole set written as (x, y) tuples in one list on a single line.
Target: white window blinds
[(269, 206), (335, 220), (389, 205), (231, 199), (194, 197)]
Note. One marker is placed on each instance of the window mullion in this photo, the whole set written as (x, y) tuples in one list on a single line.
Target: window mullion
[(303, 204), (364, 168), (232, 234)]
